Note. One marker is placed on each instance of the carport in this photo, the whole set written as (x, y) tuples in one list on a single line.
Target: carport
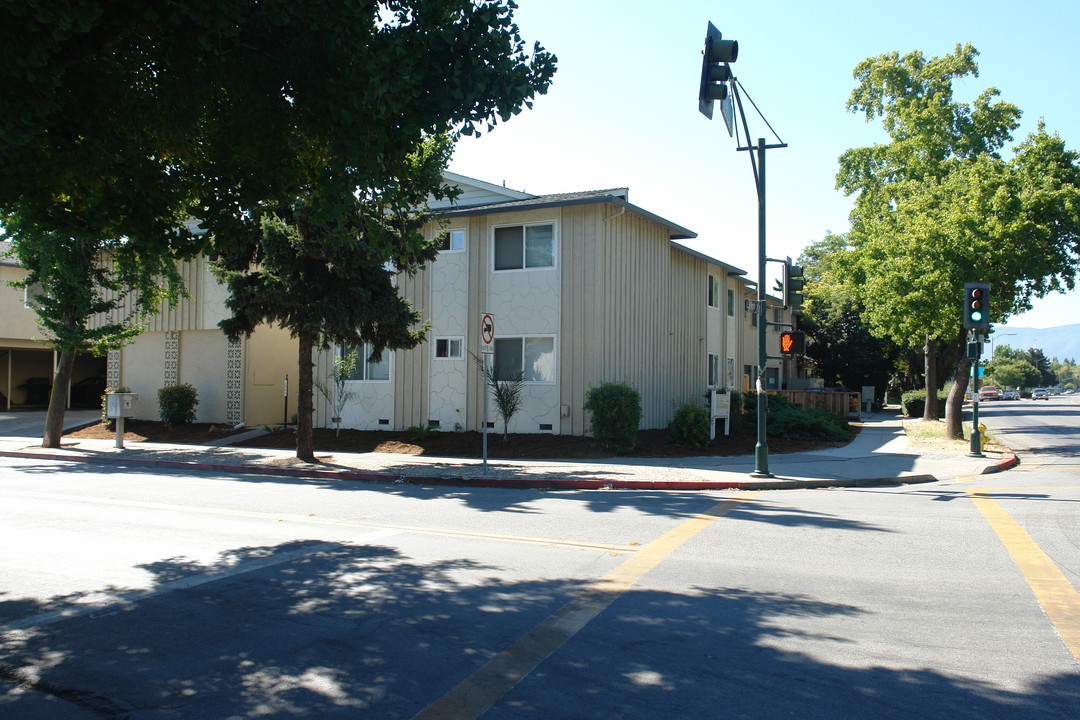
[(26, 376)]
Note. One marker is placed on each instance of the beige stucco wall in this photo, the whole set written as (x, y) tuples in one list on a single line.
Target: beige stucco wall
[(202, 364), (141, 372), (269, 354)]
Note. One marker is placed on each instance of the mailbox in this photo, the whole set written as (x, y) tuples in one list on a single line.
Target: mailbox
[(120, 405)]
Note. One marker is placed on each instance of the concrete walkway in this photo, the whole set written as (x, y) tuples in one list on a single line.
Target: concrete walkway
[(880, 455)]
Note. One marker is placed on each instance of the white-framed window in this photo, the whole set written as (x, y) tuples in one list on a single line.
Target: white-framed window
[(713, 291), (731, 302), (730, 372), (449, 347), (454, 241), (714, 370), (530, 358), (368, 370), (524, 247)]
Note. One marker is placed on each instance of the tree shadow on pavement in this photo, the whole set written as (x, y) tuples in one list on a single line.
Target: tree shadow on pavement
[(664, 503), (334, 630)]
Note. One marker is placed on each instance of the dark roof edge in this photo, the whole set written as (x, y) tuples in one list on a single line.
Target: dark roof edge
[(732, 270), (678, 232)]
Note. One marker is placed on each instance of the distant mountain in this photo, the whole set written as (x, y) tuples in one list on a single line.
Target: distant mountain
[(1057, 342)]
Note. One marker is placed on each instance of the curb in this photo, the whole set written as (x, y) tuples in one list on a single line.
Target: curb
[(484, 482), (1007, 462)]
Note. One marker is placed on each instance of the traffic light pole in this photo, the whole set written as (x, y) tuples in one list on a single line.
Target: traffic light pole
[(761, 449), (718, 84), (975, 449)]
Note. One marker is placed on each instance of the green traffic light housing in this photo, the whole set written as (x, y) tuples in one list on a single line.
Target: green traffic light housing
[(977, 306), (793, 285), (715, 71)]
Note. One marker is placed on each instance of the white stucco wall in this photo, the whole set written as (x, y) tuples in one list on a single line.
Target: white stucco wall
[(448, 313), (526, 303)]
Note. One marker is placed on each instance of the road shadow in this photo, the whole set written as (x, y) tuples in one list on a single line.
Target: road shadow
[(343, 631), (664, 503)]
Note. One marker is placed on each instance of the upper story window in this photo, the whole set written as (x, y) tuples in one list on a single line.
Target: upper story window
[(713, 291), (453, 241), (524, 247), (731, 302)]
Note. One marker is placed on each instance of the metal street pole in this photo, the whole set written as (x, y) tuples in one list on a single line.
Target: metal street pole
[(761, 450), (975, 449)]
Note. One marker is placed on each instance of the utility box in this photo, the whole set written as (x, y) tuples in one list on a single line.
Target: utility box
[(120, 405)]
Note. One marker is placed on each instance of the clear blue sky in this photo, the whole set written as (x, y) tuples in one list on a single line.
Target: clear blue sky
[(623, 108)]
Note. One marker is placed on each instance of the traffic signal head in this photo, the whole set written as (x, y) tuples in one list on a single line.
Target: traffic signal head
[(793, 285), (792, 342), (977, 306), (715, 71)]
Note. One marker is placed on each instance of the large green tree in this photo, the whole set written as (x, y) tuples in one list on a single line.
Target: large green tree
[(123, 117), (91, 189), (841, 347), (334, 130), (937, 206)]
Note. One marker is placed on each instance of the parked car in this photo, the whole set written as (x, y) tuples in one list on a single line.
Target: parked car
[(990, 393), (1040, 394), (1010, 395)]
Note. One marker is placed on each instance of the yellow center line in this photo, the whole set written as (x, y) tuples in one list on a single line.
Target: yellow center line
[(477, 693), (1052, 589)]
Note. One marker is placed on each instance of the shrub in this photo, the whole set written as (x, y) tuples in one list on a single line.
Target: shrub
[(738, 411), (914, 402), (420, 433), (176, 404), (690, 427), (616, 414), (794, 422)]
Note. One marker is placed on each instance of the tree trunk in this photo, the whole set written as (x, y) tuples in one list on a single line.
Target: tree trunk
[(930, 411), (305, 434), (954, 406), (54, 418)]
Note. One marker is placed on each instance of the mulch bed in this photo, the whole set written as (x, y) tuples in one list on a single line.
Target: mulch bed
[(651, 443)]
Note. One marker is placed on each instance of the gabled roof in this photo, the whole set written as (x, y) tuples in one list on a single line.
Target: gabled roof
[(456, 179), (616, 196)]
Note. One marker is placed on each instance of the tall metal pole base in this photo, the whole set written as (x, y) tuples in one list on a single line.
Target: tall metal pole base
[(761, 462)]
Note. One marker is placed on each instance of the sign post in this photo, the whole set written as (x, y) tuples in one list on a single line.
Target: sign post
[(487, 349), (720, 403)]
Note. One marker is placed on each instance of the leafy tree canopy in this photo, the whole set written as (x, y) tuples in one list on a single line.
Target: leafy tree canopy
[(937, 206)]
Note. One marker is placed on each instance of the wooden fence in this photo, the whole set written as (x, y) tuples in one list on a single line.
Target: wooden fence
[(844, 404)]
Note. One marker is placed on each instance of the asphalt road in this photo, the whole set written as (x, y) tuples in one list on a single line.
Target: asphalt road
[(130, 594)]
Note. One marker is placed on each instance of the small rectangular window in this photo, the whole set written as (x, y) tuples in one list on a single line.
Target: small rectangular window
[(713, 291), (448, 347), (714, 370), (731, 302), (454, 240)]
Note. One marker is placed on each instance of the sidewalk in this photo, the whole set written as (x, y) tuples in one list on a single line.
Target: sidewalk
[(880, 455)]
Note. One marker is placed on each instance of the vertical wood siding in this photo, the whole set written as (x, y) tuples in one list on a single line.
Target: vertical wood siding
[(412, 368), (633, 311)]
